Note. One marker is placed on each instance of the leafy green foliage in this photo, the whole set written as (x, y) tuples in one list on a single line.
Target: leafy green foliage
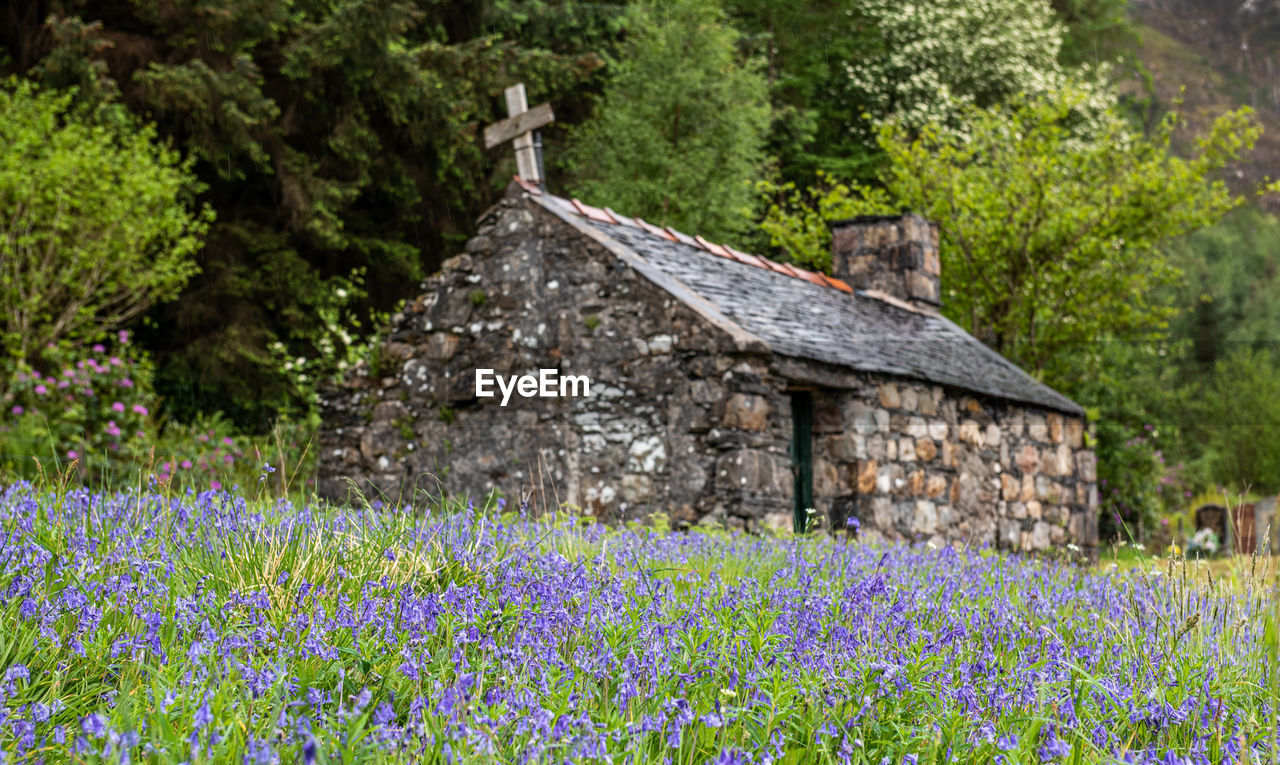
[(837, 70), (96, 225), (1098, 31), (1239, 416), (331, 138), (1233, 274), (678, 135), (1055, 238)]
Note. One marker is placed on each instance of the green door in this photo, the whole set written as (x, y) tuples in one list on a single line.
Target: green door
[(802, 456)]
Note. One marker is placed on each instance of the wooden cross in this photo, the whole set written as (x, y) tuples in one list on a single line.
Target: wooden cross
[(520, 124)]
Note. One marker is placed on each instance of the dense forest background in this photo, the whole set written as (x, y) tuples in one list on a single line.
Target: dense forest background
[(329, 156)]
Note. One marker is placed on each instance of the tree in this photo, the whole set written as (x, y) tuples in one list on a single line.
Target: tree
[(678, 135), (96, 224), (1239, 419), (1049, 239), (837, 69), (333, 140)]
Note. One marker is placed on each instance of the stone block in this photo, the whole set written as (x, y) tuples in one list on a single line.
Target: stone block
[(889, 396), (746, 412), (971, 432), (1028, 492), (827, 418), (915, 483), (755, 471), (441, 346), (935, 486), (924, 518), (867, 470), (637, 488), (1041, 534), (907, 449), (387, 411), (826, 479), (937, 430), (1027, 459), (1009, 487), (993, 435), (1048, 490), (1086, 466), (1035, 510), (882, 513), (1010, 534), (916, 427), (926, 450), (1037, 428), (948, 454), (1056, 434), (1063, 456), (1017, 509), (910, 398), (1049, 462), (844, 447), (1075, 432), (864, 419)]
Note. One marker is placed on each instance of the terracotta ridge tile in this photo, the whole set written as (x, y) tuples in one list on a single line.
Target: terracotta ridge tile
[(532, 188), (713, 248), (593, 213)]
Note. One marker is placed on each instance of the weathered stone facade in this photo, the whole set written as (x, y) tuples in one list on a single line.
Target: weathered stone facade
[(689, 413)]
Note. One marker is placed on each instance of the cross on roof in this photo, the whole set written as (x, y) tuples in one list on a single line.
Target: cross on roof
[(520, 124)]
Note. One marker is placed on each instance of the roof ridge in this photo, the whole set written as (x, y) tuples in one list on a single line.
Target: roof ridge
[(609, 216)]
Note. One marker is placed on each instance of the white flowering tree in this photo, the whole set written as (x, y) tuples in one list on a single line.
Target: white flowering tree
[(927, 62)]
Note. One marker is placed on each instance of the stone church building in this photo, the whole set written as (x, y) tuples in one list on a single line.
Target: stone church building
[(723, 387)]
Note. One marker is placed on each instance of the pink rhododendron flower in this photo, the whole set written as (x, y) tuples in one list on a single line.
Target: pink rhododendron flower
[(98, 348), (115, 361), (72, 454), (123, 336), (17, 410), (117, 406), (215, 485), (41, 390), (125, 382), (140, 409), (227, 440), (186, 464)]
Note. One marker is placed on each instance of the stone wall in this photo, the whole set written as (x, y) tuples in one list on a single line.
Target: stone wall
[(920, 462), (667, 425), (680, 419)]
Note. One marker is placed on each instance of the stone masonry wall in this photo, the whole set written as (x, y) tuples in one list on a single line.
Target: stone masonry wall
[(920, 462), (663, 429)]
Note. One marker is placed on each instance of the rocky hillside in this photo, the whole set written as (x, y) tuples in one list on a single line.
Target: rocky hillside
[(1216, 55)]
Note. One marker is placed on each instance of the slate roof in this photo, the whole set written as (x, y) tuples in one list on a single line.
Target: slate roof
[(819, 319)]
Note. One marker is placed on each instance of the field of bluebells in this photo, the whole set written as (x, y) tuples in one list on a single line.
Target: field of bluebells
[(152, 627)]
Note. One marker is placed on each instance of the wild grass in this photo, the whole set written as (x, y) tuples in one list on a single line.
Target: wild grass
[(210, 627)]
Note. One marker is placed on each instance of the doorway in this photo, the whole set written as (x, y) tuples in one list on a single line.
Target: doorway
[(802, 456)]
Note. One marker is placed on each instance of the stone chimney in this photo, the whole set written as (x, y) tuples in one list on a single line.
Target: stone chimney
[(889, 255)]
